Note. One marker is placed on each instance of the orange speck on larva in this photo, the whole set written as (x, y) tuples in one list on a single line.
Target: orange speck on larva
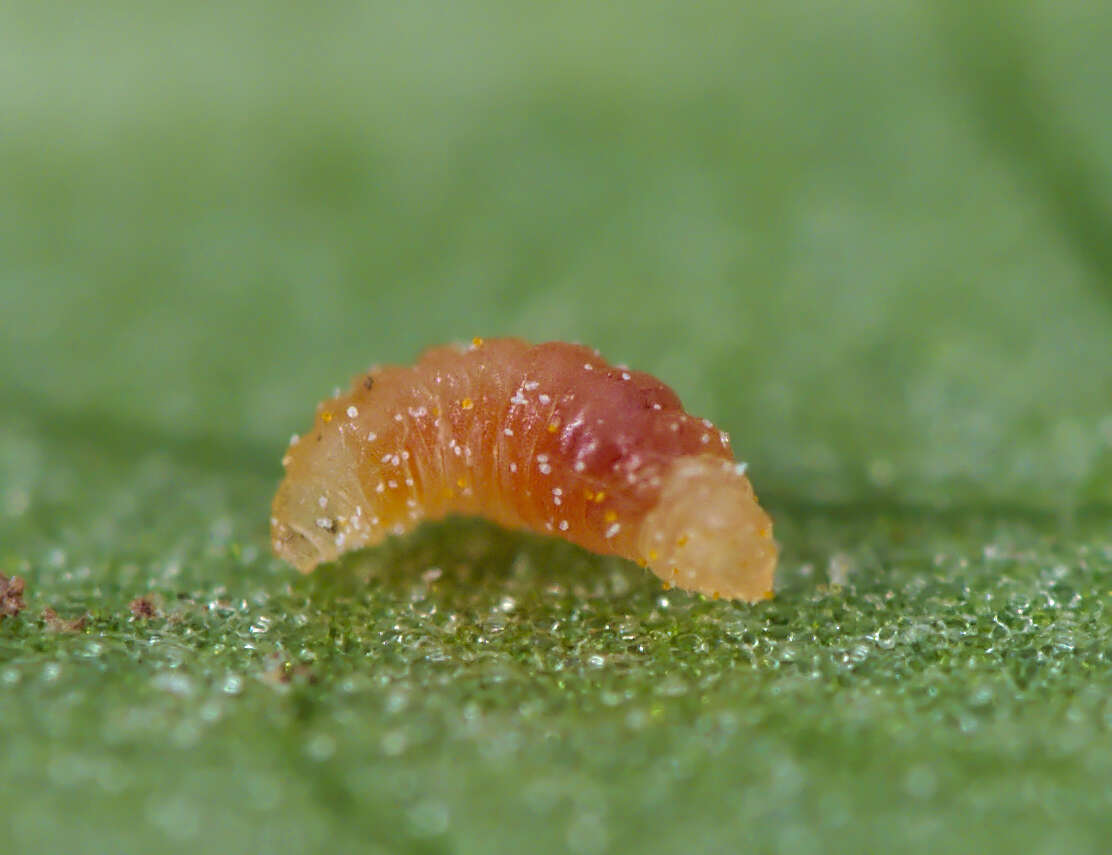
[(476, 342), (687, 509)]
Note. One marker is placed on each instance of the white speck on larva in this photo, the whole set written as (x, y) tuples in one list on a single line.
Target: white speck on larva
[(705, 438), (352, 412), (542, 458), (324, 522), (380, 487), (544, 399), (323, 502), (563, 525), (740, 468), (588, 367), (386, 457), (508, 431), (372, 436), (626, 375), (613, 530), (405, 455), (530, 385), (295, 439), (579, 466), (397, 417), (513, 467), (392, 484), (657, 407), (519, 400), (545, 469)]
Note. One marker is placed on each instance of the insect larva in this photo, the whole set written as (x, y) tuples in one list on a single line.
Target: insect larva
[(549, 438)]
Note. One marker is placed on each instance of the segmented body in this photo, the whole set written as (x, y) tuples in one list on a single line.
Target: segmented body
[(549, 438)]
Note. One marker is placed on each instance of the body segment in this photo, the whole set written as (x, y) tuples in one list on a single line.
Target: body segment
[(549, 438)]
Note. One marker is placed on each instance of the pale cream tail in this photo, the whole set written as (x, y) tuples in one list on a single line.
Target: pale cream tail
[(708, 534)]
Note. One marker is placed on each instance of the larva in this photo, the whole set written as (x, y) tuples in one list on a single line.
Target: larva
[(550, 438)]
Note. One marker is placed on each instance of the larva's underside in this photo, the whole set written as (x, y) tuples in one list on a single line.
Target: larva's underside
[(550, 438)]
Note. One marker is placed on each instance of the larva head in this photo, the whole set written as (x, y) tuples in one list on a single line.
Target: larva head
[(708, 534), (312, 514)]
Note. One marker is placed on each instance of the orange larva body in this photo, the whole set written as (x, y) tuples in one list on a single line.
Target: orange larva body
[(549, 438)]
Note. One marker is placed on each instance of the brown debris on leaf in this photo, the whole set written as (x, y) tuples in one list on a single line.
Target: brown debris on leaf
[(11, 596), (53, 622), (143, 608), (283, 673)]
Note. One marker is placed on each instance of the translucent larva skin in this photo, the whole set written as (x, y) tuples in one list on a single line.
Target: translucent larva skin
[(549, 438)]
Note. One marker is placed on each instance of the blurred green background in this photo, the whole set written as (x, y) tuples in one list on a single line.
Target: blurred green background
[(872, 240)]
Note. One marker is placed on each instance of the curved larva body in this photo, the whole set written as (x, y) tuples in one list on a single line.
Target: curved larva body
[(549, 438)]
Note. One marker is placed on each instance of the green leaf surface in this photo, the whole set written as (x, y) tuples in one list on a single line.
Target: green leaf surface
[(871, 240)]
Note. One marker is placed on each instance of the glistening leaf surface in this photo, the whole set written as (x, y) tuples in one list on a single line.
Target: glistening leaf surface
[(795, 218)]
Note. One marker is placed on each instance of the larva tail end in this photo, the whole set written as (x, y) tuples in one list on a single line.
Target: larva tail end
[(294, 547), (708, 534), (313, 518)]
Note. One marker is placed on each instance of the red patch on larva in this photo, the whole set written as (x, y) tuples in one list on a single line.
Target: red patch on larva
[(550, 438)]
